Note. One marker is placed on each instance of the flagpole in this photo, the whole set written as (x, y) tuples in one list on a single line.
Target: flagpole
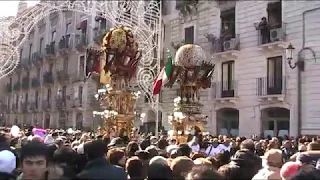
[(158, 66)]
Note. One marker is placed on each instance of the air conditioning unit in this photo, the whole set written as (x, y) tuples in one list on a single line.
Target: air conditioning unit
[(276, 34), (230, 45)]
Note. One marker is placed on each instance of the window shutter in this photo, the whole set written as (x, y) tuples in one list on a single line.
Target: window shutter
[(189, 35)]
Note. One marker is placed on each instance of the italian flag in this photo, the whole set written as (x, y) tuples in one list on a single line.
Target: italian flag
[(163, 77)]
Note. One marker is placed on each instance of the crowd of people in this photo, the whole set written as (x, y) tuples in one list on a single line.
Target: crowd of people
[(79, 155)]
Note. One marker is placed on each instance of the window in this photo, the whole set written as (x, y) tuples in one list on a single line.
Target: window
[(26, 99), (50, 67), (36, 97), (64, 92), (81, 64), (48, 95), (227, 81), (41, 45), (30, 52), (80, 94), (68, 28), (189, 35), (275, 15), (228, 19), (274, 79), (53, 36)]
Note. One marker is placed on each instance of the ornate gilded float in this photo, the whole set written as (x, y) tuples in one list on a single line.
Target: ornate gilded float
[(118, 66), (193, 73)]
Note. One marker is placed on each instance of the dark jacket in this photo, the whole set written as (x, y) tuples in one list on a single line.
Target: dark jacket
[(6, 176), (102, 169)]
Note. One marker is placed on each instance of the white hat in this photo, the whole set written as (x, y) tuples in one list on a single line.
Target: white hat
[(158, 160), (7, 161)]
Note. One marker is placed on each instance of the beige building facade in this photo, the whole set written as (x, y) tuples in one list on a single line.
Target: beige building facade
[(254, 91), (48, 89)]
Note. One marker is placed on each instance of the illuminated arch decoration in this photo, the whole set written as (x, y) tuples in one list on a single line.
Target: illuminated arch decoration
[(143, 17)]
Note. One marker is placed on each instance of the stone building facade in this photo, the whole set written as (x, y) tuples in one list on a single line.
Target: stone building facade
[(48, 88), (253, 89)]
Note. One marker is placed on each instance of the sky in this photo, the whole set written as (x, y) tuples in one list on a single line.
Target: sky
[(9, 8)]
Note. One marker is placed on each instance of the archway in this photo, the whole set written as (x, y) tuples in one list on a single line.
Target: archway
[(228, 121), (142, 16), (79, 121), (275, 121)]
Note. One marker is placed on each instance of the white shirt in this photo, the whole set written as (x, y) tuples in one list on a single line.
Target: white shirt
[(212, 151), (195, 148), (224, 147)]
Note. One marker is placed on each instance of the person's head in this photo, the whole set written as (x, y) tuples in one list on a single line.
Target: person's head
[(181, 166), (287, 144), (34, 158), (7, 162), (132, 147), (152, 151), (134, 167), (274, 158), (195, 156), (203, 173), (162, 144), (116, 157), (203, 162), (158, 160), (248, 144), (213, 161), (231, 171), (95, 149), (159, 171), (185, 150), (289, 170), (65, 155)]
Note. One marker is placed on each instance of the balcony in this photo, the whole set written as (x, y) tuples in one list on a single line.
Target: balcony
[(94, 103), (77, 103), (187, 7), (47, 78), (98, 35), (35, 82), (61, 103), (271, 39), (225, 92), (26, 64), (50, 51), (65, 44), (24, 107), (78, 77), (33, 107), (9, 88), (14, 108), (17, 86), (46, 105), (224, 48), (37, 59), (62, 76), (271, 89), (81, 42), (25, 83)]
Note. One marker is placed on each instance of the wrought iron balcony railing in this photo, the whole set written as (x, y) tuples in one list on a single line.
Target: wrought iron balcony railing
[(37, 58), (65, 42), (267, 86), (268, 33), (81, 41), (48, 78), (46, 105), (225, 89), (17, 86), (50, 49), (98, 35), (25, 83), (222, 44), (35, 82), (24, 107), (33, 107), (62, 76)]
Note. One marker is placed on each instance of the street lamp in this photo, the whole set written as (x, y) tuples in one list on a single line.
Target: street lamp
[(300, 64), (300, 61)]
